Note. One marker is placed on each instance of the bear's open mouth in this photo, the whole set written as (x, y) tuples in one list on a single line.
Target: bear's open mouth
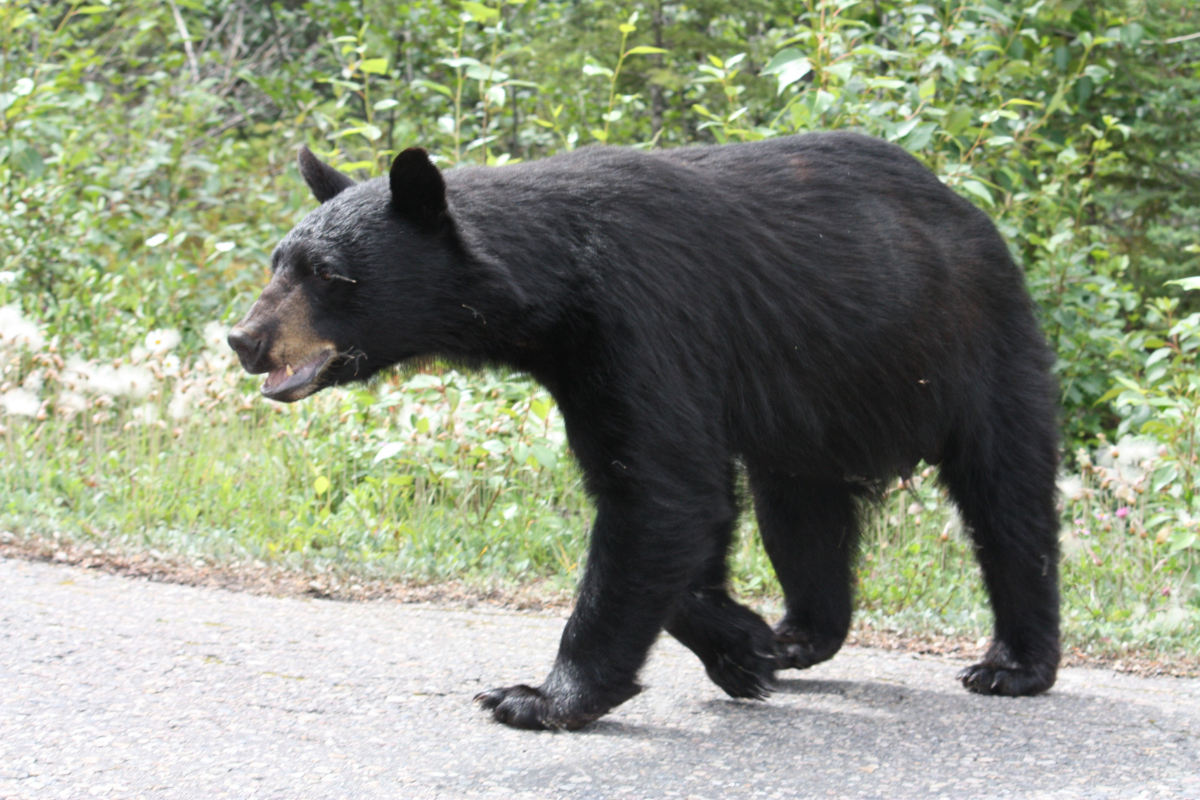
[(285, 382)]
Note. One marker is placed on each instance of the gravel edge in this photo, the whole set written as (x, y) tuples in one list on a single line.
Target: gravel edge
[(536, 596)]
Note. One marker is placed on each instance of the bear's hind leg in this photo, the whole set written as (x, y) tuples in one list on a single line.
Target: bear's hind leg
[(1003, 482), (736, 645), (810, 531)]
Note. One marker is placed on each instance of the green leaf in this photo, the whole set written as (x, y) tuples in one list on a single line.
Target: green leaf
[(321, 485), (1158, 355), (1187, 283), (374, 66), (26, 160), (1132, 34), (789, 65), (958, 120), (644, 50), (437, 87), (920, 137), (1163, 477), (841, 70), (385, 104), (823, 102), (545, 456), (497, 95), (481, 72), (541, 408), (387, 451), (626, 28), (903, 129), (371, 132), (979, 190), (1128, 384), (781, 59), (1182, 540), (479, 12), (463, 61)]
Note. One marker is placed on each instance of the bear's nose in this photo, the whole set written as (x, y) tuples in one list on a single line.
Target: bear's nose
[(248, 346)]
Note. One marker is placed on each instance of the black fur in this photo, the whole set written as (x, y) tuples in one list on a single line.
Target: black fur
[(818, 308), (325, 181)]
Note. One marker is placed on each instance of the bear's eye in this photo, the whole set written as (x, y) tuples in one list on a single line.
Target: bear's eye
[(323, 271)]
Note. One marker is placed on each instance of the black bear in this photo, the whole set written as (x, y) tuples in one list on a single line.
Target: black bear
[(817, 310)]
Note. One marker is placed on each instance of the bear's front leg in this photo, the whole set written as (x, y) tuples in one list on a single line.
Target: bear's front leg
[(635, 572)]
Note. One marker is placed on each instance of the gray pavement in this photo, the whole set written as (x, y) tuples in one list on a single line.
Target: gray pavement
[(112, 687)]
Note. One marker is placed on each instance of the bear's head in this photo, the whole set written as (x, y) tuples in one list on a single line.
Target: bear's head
[(358, 285)]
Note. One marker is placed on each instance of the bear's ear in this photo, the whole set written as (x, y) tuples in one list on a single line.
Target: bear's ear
[(418, 191), (325, 181)]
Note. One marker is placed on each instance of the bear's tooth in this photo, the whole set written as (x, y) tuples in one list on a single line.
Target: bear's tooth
[(290, 372)]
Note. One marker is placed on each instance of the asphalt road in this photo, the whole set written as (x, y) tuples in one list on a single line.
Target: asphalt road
[(112, 687)]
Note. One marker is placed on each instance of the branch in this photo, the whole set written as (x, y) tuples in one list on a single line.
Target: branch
[(187, 41)]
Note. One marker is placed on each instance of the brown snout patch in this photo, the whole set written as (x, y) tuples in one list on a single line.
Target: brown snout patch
[(295, 354)]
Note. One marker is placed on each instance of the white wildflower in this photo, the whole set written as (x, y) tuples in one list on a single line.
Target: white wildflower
[(138, 382), (215, 336), (71, 403), (138, 354), (33, 382), (1071, 487), (170, 365), (75, 375), (160, 341), (20, 402), (125, 380), (181, 403), (1126, 456), (217, 363), (17, 331), (180, 407)]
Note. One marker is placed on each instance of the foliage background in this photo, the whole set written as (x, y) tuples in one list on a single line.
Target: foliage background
[(146, 160)]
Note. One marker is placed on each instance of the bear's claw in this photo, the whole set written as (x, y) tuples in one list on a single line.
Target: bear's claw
[(750, 676), (518, 707), (1006, 680), (534, 709), (796, 648)]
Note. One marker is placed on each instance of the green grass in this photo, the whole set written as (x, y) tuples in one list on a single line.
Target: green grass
[(476, 482)]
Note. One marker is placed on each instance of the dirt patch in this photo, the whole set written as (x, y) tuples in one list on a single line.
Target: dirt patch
[(277, 581)]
